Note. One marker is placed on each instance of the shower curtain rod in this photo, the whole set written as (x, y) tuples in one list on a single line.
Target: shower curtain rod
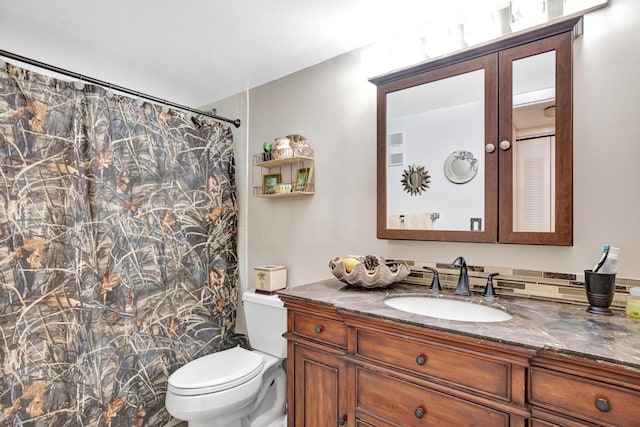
[(82, 77)]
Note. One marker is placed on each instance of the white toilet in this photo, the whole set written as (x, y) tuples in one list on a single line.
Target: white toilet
[(237, 387)]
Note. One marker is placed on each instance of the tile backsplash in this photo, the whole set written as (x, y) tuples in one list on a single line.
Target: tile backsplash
[(554, 286)]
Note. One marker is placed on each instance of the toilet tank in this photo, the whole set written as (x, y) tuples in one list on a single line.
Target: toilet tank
[(266, 322)]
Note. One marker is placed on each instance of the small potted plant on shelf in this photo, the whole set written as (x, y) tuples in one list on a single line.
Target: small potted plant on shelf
[(267, 151)]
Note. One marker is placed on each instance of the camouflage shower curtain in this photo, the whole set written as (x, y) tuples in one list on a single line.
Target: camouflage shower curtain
[(118, 259)]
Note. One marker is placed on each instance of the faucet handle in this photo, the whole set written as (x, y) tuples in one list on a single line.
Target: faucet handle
[(435, 283), (489, 292)]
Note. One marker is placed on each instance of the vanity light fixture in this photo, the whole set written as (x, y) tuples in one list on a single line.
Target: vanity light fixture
[(476, 26), (485, 25), (528, 13), (394, 53), (582, 6), (442, 39)]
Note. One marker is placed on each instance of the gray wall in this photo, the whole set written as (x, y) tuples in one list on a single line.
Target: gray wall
[(333, 105)]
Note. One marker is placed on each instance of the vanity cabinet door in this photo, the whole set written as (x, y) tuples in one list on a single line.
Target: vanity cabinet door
[(320, 388)]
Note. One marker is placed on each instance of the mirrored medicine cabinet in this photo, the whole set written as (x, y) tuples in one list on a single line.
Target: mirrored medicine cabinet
[(478, 146)]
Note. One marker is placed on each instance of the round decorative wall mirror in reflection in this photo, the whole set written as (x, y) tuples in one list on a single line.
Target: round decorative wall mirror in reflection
[(460, 167), (415, 180)]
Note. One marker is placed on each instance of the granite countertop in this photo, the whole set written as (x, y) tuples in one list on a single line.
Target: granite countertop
[(564, 328)]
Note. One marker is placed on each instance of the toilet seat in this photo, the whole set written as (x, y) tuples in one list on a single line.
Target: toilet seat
[(216, 372)]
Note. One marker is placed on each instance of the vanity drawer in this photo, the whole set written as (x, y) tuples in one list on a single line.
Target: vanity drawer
[(474, 371), (318, 328), (584, 398), (402, 403)]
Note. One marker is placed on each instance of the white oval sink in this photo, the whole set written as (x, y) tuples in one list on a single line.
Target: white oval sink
[(448, 309)]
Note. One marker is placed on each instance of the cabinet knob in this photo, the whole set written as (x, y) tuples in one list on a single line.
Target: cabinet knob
[(421, 360), (489, 148), (318, 329), (342, 420), (419, 413), (603, 405), (505, 145)]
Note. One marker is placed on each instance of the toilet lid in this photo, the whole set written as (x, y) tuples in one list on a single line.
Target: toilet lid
[(216, 372)]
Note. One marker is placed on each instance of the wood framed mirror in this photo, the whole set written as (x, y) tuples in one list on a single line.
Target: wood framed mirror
[(482, 101)]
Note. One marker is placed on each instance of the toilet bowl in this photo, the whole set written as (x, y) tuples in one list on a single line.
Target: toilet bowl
[(237, 387)]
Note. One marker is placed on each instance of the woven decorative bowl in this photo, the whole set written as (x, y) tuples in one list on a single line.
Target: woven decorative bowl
[(382, 276)]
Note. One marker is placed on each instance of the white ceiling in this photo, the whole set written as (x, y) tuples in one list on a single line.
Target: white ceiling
[(198, 51)]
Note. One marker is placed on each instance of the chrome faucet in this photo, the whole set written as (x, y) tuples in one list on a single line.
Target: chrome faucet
[(463, 281)]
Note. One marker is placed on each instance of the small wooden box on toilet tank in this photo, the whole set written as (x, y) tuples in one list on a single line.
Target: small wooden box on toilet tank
[(270, 278)]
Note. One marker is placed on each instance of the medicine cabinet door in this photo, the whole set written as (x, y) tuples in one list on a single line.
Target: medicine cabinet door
[(435, 180), (535, 148)]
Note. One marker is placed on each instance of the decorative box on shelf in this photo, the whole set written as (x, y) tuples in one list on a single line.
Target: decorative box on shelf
[(284, 171)]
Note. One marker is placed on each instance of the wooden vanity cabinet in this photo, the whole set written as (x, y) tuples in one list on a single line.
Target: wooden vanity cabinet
[(573, 391), (358, 370), (346, 369)]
